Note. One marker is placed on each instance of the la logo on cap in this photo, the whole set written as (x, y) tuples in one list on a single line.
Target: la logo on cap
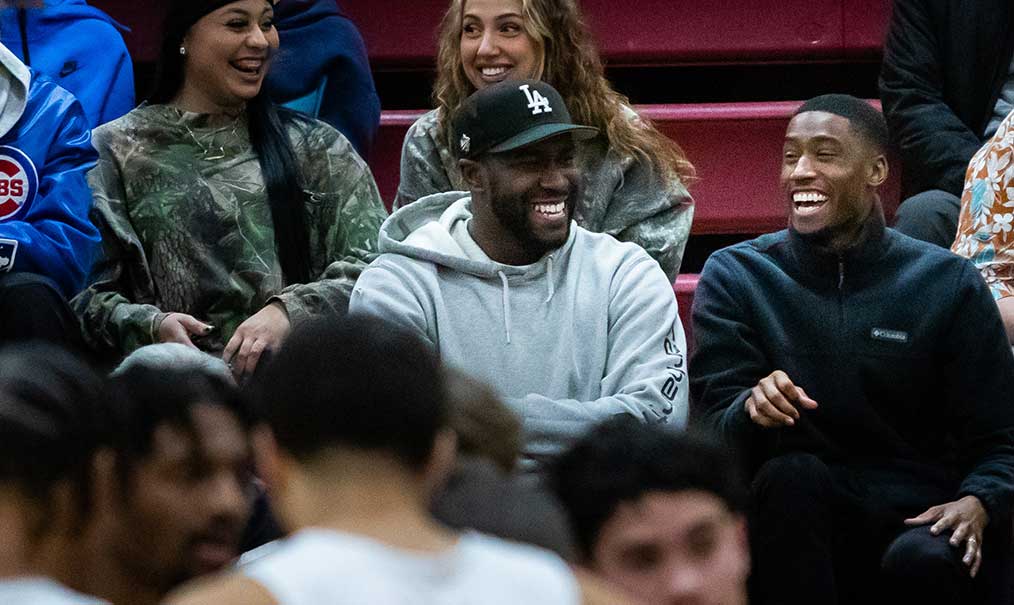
[(466, 143), (536, 102)]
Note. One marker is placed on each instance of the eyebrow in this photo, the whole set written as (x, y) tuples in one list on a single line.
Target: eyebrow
[(239, 11), (820, 138), (497, 18)]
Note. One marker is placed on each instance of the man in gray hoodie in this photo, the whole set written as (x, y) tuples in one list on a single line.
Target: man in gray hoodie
[(569, 326)]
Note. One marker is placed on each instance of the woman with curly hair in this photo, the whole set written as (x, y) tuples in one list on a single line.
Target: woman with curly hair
[(634, 177)]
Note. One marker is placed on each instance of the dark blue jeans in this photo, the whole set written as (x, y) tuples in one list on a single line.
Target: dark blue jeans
[(833, 535), (32, 308)]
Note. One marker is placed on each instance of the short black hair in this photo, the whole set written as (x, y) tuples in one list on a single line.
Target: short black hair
[(50, 420), (867, 120), (144, 397), (354, 382), (622, 459)]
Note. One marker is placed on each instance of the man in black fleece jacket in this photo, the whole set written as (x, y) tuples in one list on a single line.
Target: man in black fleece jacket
[(867, 378)]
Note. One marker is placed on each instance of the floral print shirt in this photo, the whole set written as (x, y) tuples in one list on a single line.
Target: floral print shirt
[(986, 223)]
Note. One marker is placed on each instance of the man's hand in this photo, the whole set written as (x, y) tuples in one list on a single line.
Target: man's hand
[(178, 327), (263, 331), (775, 401), (968, 519)]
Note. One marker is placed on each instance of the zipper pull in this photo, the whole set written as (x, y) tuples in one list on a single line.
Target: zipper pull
[(841, 273)]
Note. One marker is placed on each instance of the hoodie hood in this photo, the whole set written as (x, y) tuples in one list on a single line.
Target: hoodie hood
[(424, 230), (315, 35), (13, 89), (301, 13)]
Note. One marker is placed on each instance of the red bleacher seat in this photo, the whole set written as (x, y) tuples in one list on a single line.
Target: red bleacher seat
[(684, 288), (736, 148), (401, 34), (145, 22)]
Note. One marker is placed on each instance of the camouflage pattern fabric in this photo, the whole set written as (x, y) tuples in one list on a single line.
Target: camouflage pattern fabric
[(622, 196), (187, 228)]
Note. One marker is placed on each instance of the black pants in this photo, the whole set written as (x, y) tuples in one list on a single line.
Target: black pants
[(32, 308), (833, 535), (931, 216)]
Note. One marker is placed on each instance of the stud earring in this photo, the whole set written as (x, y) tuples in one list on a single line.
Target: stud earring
[(183, 50)]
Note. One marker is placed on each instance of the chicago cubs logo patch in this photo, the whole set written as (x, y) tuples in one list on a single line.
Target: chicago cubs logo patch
[(19, 181)]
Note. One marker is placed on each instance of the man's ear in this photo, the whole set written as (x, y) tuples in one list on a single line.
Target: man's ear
[(106, 484), (471, 171), (743, 540), (877, 171), (443, 458), (270, 467)]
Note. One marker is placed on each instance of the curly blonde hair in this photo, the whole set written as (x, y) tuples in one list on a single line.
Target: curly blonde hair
[(570, 64)]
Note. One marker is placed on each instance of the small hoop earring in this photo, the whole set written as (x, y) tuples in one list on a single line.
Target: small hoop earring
[(183, 50)]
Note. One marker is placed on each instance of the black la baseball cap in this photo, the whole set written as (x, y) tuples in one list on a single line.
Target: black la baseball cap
[(510, 115)]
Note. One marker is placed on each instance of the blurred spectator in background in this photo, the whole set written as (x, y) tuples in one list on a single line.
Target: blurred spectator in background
[(49, 407), (985, 229), (77, 45), (484, 491), (946, 82), (658, 513), (322, 69)]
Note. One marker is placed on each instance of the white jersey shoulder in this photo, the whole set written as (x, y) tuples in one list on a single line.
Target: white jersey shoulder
[(321, 567), (41, 591)]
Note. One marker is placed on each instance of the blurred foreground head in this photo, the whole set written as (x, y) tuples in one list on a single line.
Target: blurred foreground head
[(49, 430), (174, 478), (658, 513), (355, 399)]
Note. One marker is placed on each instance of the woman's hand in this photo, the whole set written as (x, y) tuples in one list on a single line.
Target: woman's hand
[(262, 331), (179, 327)]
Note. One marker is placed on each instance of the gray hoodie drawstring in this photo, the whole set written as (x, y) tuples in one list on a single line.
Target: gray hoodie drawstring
[(549, 275), (507, 300), (506, 305)]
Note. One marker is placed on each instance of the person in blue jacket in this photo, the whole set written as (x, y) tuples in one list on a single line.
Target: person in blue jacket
[(77, 45), (322, 69), (46, 238)]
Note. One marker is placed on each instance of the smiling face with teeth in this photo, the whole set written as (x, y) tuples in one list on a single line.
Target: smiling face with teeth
[(495, 46), (523, 200), (830, 175), (228, 52)]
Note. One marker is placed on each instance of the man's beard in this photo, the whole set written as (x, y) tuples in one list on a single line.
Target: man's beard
[(513, 210)]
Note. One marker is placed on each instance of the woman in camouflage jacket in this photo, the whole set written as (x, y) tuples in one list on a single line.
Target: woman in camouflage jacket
[(225, 221)]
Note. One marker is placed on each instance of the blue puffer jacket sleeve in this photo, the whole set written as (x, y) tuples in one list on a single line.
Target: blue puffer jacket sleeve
[(44, 197)]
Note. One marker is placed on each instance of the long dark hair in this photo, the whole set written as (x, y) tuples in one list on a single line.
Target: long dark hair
[(268, 129)]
